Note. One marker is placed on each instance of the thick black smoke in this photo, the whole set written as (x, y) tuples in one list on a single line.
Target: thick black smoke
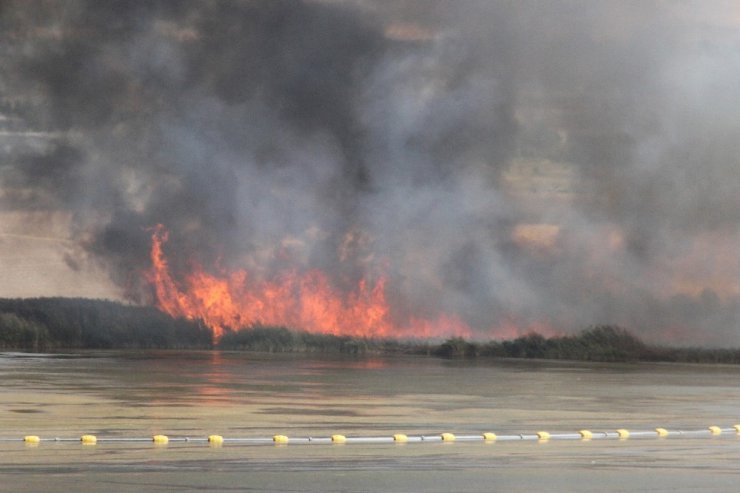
[(557, 163)]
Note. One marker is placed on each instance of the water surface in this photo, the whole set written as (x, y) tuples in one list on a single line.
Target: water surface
[(194, 394)]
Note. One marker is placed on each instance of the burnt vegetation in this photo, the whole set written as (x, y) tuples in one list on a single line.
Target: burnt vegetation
[(48, 324)]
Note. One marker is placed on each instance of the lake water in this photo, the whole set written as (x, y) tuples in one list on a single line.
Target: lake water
[(243, 395)]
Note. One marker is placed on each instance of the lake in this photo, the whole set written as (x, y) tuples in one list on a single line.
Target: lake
[(194, 394)]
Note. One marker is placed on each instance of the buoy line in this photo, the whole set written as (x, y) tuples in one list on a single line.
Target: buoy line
[(488, 437)]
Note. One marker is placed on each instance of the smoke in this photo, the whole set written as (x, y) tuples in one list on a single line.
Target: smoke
[(534, 163)]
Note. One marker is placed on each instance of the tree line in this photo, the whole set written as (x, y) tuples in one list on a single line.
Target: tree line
[(46, 324), (604, 343)]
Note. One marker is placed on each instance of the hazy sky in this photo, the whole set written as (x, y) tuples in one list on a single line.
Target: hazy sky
[(554, 163)]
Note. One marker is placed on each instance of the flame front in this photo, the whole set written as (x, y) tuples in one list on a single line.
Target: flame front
[(305, 301)]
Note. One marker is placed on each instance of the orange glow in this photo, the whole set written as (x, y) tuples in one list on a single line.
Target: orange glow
[(708, 263), (305, 301), (536, 237)]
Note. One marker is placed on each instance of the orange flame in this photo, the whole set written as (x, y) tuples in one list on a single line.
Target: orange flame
[(304, 301)]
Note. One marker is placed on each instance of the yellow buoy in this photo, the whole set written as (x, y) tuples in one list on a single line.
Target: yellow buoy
[(586, 434), (89, 439), (338, 439), (737, 428), (662, 432), (716, 430), (448, 437), (623, 433), (489, 436), (281, 439), (400, 438), (32, 439), (160, 439), (215, 440), (543, 435)]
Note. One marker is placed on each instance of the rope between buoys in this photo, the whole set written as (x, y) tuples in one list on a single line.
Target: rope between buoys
[(399, 438)]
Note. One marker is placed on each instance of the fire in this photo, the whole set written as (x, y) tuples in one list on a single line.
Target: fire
[(305, 300)]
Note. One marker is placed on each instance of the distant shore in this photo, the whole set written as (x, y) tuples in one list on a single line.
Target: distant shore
[(49, 324)]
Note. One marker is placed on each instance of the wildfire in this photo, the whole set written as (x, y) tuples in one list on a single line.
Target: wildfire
[(305, 301)]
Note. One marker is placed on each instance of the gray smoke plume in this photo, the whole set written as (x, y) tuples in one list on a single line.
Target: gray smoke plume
[(527, 163)]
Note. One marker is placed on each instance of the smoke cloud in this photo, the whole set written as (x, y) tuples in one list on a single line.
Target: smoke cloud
[(556, 164)]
